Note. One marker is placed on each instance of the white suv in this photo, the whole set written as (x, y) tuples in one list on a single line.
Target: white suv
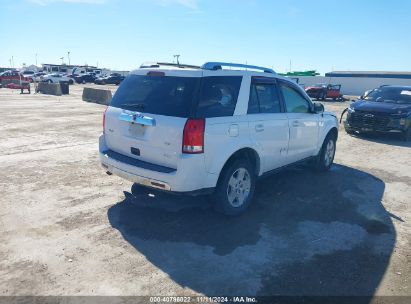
[(206, 129)]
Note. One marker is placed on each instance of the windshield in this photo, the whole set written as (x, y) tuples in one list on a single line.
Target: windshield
[(390, 95)]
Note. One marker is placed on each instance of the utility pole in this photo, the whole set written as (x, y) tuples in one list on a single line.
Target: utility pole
[(12, 61), (36, 59), (68, 56), (290, 65)]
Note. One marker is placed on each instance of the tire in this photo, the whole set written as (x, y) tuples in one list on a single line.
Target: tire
[(349, 132), (323, 96), (234, 194), (71, 82), (137, 189), (325, 158), (406, 135)]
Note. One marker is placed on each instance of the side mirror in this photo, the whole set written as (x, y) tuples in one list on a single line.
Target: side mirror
[(318, 108)]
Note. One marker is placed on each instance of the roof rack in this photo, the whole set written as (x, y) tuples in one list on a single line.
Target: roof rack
[(158, 64), (219, 66)]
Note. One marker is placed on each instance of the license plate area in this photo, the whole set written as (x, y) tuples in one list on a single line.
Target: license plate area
[(136, 130)]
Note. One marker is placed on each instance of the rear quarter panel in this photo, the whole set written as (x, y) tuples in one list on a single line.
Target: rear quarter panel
[(223, 137)]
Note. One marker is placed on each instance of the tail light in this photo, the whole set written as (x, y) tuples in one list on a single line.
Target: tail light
[(104, 120), (193, 136)]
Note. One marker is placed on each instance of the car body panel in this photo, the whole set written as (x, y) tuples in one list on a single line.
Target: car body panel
[(160, 144)]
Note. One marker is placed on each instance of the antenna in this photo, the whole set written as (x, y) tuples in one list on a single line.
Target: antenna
[(177, 57)]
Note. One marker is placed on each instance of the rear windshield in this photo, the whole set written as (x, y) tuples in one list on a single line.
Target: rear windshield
[(179, 96)]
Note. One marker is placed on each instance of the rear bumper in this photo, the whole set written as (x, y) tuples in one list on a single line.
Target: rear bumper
[(190, 177)]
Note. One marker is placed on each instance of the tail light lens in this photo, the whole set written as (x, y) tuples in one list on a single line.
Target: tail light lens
[(193, 136), (104, 120)]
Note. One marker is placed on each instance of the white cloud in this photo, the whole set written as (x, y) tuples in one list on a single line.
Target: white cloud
[(47, 2)]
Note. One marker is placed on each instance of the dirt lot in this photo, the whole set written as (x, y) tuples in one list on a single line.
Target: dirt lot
[(69, 229)]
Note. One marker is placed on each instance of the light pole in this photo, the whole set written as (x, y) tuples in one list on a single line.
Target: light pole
[(62, 60), (36, 59), (68, 56), (176, 57)]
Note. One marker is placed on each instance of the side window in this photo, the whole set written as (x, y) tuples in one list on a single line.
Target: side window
[(294, 102), (264, 99), (218, 96)]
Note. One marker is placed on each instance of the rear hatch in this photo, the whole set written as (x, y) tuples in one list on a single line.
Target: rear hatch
[(146, 117)]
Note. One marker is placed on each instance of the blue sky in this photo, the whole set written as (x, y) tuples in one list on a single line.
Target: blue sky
[(120, 34)]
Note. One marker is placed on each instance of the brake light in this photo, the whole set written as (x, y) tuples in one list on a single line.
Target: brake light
[(193, 136), (104, 120)]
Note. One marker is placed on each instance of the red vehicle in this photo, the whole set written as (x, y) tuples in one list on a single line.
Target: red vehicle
[(324, 91), (12, 77), (24, 85)]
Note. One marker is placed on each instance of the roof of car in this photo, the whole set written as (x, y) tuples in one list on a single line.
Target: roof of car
[(208, 66)]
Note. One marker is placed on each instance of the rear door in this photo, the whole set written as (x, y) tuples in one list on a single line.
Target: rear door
[(268, 122), (147, 115), (303, 123)]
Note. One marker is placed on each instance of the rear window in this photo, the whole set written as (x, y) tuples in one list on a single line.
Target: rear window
[(171, 96), (175, 96), (218, 96)]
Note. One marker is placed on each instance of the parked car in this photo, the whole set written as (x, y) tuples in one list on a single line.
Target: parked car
[(114, 78), (12, 76), (85, 78), (37, 76), (56, 78), (211, 130), (385, 109), (324, 91)]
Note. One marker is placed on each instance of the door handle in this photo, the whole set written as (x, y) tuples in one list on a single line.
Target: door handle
[(296, 123), (259, 128)]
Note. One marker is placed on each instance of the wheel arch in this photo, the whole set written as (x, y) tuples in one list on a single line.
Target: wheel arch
[(245, 153), (333, 131)]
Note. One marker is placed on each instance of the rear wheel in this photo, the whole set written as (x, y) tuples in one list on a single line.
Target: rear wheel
[(325, 158), (235, 188)]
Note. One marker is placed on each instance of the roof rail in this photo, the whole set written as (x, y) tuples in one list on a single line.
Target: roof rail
[(219, 65), (158, 64)]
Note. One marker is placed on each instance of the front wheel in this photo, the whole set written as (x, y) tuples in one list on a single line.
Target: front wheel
[(325, 158), (406, 135), (235, 188)]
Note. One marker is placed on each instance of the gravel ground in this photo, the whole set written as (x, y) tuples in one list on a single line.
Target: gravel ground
[(67, 228)]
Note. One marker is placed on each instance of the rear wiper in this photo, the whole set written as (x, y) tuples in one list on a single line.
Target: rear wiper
[(139, 106)]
